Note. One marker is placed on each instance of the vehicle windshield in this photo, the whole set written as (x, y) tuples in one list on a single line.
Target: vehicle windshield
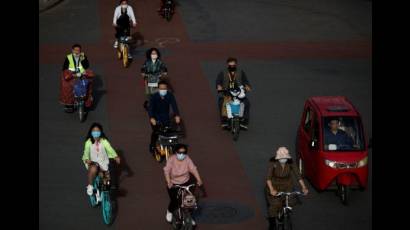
[(342, 134)]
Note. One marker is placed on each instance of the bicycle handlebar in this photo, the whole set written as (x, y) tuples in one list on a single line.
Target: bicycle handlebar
[(288, 193)]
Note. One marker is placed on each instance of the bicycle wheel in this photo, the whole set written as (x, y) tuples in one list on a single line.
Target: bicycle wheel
[(125, 56), (119, 53), (176, 223), (187, 223), (235, 129), (81, 111), (287, 223), (106, 207)]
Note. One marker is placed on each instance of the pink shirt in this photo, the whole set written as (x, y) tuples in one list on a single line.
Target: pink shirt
[(178, 170)]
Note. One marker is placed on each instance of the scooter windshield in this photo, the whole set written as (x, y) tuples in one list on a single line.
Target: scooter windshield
[(343, 134)]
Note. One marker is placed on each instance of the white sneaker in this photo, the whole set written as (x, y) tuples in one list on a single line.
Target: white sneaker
[(90, 190), (168, 217), (193, 222), (116, 44)]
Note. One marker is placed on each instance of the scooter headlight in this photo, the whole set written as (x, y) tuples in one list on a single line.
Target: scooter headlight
[(362, 162), (331, 164)]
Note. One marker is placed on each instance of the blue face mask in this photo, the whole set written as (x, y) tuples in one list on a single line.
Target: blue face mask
[(96, 134), (181, 156), (162, 92)]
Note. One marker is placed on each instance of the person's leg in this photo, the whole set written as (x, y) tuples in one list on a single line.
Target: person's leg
[(154, 137), (92, 172), (220, 104)]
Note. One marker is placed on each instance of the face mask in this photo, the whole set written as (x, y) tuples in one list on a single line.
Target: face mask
[(124, 6), (283, 161), (154, 56), (76, 55), (162, 92), (232, 68), (181, 156), (96, 134)]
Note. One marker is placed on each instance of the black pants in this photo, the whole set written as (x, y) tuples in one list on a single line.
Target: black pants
[(175, 201), (245, 112), (122, 30)]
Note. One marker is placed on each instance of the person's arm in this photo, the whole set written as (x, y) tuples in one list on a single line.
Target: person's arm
[(86, 153), (298, 177), (174, 105), (116, 14), (245, 81), (269, 176), (167, 172), (163, 68), (219, 81), (151, 106), (130, 13), (193, 169), (112, 154), (85, 63), (65, 64)]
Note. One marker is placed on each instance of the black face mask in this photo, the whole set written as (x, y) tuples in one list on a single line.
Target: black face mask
[(232, 68)]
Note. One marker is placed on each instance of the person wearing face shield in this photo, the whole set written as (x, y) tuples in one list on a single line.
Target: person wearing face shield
[(281, 176), (123, 15), (178, 171), (159, 111), (230, 78), (75, 65), (97, 152), (153, 65)]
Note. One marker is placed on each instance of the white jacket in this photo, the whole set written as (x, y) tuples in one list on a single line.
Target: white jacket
[(117, 14)]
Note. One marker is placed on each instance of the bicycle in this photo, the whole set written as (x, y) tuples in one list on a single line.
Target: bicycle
[(123, 50), (283, 220), (167, 139), (182, 217), (102, 194)]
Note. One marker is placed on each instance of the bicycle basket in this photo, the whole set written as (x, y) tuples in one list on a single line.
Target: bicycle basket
[(189, 201), (80, 88)]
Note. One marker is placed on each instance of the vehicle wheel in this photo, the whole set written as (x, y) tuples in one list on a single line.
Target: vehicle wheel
[(119, 54), (125, 56), (175, 223), (235, 129), (157, 155), (93, 200), (81, 112), (287, 223), (167, 151), (106, 207), (187, 222), (343, 193)]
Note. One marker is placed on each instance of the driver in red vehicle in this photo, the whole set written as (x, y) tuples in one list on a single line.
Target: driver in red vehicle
[(281, 176), (334, 135)]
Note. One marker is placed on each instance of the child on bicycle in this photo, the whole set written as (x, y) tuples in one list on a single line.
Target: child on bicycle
[(97, 152)]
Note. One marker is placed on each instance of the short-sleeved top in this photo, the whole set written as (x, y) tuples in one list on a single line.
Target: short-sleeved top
[(99, 155)]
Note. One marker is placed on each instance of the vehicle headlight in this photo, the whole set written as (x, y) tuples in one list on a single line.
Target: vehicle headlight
[(362, 162), (331, 164)]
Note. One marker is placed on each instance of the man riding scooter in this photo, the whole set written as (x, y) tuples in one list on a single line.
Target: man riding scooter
[(228, 79)]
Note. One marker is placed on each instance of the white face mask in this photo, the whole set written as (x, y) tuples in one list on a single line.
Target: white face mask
[(181, 156), (154, 56), (283, 161), (163, 92)]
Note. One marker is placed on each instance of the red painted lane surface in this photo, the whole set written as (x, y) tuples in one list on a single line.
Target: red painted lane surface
[(144, 205)]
